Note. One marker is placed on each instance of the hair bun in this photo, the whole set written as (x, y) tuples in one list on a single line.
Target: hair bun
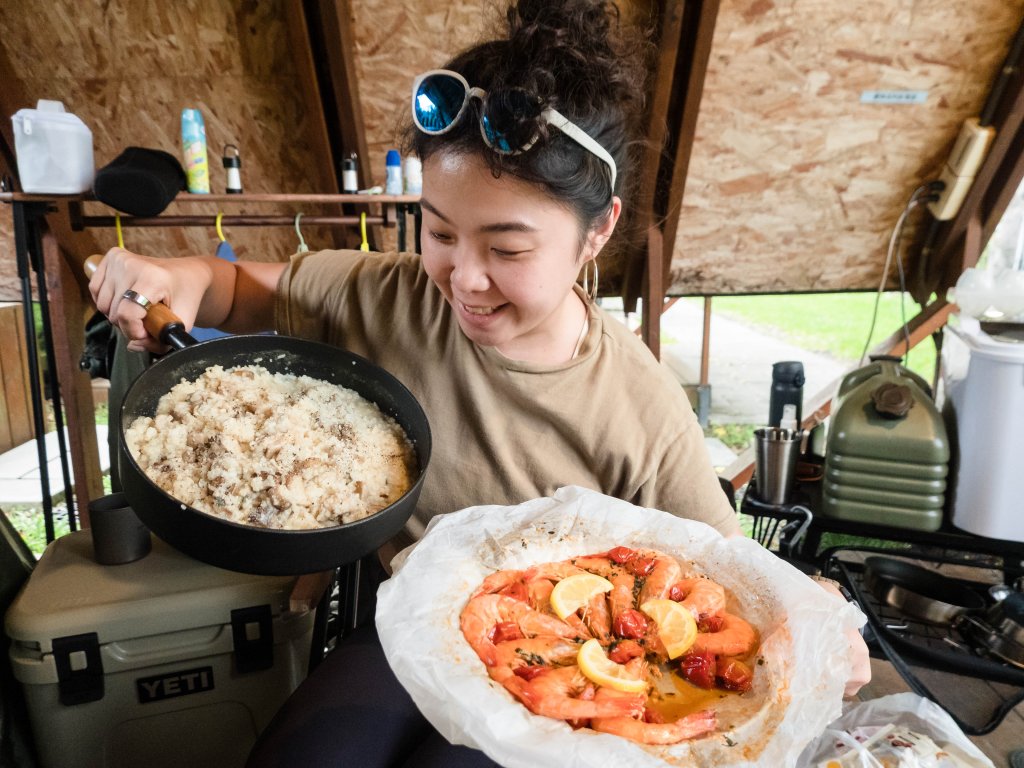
[(571, 52)]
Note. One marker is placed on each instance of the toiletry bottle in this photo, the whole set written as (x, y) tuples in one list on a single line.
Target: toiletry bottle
[(233, 169), (393, 163), (349, 175), (193, 142), (413, 173)]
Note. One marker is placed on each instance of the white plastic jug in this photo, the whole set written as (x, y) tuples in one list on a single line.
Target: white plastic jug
[(54, 150)]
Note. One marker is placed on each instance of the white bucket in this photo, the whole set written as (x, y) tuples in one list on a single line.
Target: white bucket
[(983, 381), (54, 150)]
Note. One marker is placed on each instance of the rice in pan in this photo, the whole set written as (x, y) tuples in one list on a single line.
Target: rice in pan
[(273, 450)]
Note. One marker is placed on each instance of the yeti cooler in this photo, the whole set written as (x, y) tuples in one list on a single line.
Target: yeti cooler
[(165, 661)]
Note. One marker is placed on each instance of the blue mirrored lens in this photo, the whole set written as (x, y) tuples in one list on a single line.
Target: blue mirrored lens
[(439, 99), (509, 120), (494, 139)]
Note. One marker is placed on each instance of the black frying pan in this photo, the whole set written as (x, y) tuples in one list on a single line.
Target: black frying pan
[(245, 548), (919, 592)]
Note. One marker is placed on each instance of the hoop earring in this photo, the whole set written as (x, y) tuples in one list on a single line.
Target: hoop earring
[(590, 289)]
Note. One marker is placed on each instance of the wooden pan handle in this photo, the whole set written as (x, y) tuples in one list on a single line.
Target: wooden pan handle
[(160, 322)]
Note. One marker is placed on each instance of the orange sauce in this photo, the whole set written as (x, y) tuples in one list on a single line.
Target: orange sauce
[(684, 698)]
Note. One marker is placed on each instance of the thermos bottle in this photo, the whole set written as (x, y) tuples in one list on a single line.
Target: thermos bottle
[(787, 389)]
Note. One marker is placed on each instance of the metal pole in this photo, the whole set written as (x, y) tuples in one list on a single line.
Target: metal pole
[(21, 239), (51, 358)]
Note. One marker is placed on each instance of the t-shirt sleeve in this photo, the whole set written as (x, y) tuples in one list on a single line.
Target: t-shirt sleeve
[(308, 290), (683, 482)]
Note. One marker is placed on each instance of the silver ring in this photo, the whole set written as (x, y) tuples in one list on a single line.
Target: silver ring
[(136, 298)]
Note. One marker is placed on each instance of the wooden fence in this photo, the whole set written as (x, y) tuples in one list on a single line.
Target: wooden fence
[(15, 395)]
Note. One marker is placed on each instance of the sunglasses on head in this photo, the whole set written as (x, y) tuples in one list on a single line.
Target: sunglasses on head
[(507, 119)]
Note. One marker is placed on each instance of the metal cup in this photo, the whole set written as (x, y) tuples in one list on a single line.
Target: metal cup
[(775, 453), (118, 536)]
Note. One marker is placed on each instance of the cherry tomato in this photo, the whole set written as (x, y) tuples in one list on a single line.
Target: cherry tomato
[(710, 624), (505, 630), (734, 675), (630, 623), (530, 671), (622, 651), (640, 566), (677, 593), (621, 555), (699, 669)]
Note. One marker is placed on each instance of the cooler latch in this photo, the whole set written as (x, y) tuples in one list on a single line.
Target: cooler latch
[(79, 668), (252, 633)]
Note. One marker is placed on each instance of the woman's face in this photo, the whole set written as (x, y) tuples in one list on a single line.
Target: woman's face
[(505, 256)]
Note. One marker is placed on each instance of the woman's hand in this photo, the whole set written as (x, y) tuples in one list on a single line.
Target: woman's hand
[(179, 283), (860, 658)]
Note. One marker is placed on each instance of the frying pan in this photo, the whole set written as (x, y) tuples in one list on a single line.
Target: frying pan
[(918, 592), (246, 548)]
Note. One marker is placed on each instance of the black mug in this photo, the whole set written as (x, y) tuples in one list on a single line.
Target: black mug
[(118, 536)]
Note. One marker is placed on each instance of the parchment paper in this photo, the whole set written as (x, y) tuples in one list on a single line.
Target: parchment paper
[(797, 689)]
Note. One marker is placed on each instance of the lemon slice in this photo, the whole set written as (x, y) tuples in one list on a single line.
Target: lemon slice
[(677, 628), (596, 666), (573, 592)]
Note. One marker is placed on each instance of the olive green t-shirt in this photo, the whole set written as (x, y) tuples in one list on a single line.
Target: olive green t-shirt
[(612, 419)]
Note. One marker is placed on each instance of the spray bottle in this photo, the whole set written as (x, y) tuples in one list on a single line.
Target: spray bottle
[(193, 142)]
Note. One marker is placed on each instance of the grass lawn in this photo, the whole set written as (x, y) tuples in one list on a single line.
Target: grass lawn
[(836, 324)]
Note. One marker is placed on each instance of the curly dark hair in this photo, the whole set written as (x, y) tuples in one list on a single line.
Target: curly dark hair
[(576, 57)]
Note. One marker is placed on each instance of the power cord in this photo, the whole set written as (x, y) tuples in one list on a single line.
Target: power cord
[(923, 194)]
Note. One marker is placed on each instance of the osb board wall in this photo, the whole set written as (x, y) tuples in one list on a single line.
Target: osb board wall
[(128, 67), (794, 185)]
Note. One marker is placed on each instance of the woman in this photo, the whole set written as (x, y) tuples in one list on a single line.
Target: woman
[(528, 385)]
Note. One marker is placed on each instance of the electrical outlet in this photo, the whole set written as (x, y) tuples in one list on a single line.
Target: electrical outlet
[(958, 173)]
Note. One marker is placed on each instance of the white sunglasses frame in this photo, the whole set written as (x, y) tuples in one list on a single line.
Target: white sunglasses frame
[(552, 117)]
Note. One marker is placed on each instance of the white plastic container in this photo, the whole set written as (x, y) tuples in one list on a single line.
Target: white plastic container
[(983, 394), (54, 150), (164, 662)]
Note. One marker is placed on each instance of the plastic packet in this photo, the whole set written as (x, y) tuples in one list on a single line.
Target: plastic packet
[(903, 730)]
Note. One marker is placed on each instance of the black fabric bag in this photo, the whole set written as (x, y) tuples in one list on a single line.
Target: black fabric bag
[(139, 181)]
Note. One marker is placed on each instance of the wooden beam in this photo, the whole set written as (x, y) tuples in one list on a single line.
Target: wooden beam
[(819, 405), (305, 68), (669, 31), (699, 28), (67, 313), (705, 345), (651, 318), (938, 252), (686, 35), (330, 26)]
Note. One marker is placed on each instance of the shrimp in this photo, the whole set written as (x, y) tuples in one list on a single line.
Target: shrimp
[(483, 612), (527, 652), (539, 593), (689, 727), (665, 573), (703, 597), (552, 571), (620, 599), (598, 618), (601, 564), (498, 581), (563, 693), (735, 637)]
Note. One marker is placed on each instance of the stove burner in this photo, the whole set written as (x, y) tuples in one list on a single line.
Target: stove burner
[(1001, 631)]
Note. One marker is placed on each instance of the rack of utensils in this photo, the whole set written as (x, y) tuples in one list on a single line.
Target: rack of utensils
[(951, 623)]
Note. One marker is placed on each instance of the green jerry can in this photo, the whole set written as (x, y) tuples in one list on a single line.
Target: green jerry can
[(887, 454)]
